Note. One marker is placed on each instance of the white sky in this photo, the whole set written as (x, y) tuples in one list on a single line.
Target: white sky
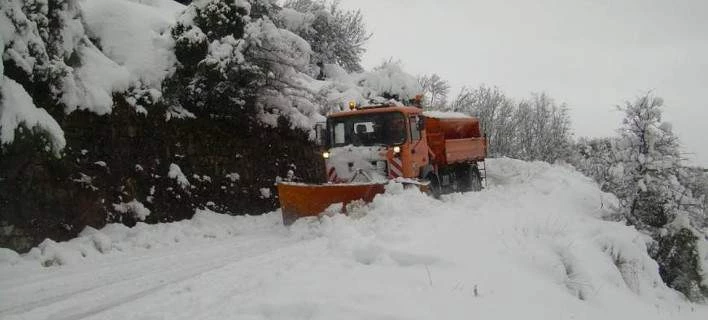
[(592, 55)]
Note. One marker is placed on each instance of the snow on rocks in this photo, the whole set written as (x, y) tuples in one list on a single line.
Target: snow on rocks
[(266, 193), (233, 176), (176, 173), (17, 107), (135, 208)]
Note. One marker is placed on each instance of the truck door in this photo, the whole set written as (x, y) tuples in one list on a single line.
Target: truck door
[(419, 148)]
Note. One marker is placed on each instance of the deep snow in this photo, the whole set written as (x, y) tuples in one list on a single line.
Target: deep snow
[(531, 246)]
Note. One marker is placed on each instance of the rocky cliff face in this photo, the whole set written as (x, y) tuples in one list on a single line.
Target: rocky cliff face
[(113, 160)]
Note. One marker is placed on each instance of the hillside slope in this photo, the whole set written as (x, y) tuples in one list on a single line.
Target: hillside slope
[(532, 246)]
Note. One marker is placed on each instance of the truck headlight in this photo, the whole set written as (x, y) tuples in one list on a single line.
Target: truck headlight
[(325, 155), (396, 149)]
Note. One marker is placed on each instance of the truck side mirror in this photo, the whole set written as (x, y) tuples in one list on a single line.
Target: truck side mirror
[(321, 134), (421, 123)]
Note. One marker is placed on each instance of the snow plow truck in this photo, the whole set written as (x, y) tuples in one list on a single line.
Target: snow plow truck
[(367, 147)]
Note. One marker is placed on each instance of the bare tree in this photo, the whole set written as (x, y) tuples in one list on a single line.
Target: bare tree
[(550, 129), (537, 128), (435, 90), (484, 103)]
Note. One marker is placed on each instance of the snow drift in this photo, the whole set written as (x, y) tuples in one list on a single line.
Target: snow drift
[(532, 245)]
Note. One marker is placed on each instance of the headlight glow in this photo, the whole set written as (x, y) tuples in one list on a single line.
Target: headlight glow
[(325, 155), (396, 149)]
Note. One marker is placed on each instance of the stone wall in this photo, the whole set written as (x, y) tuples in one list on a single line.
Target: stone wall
[(126, 156)]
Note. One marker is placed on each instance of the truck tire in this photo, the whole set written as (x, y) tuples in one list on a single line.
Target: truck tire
[(435, 188), (474, 179)]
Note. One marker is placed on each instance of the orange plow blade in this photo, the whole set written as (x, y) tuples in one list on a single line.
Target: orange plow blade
[(299, 200)]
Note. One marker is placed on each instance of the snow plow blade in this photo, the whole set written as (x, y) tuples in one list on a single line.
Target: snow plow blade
[(299, 200)]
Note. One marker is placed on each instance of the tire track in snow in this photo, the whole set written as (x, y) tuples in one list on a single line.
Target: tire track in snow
[(130, 269), (106, 273), (105, 296)]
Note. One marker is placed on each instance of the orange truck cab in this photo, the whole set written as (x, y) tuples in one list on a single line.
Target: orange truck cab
[(380, 143), (390, 142)]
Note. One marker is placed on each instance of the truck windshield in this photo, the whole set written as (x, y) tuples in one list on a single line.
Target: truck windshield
[(367, 129)]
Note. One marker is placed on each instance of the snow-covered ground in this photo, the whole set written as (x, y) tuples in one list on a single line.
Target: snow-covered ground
[(530, 246)]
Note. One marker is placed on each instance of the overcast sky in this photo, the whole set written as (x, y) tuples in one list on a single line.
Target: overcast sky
[(592, 55)]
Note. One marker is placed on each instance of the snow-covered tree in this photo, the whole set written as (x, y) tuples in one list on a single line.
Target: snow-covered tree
[(435, 90), (237, 62), (650, 161), (49, 56), (695, 180), (336, 36), (595, 157), (647, 180), (388, 81), (657, 193), (34, 65)]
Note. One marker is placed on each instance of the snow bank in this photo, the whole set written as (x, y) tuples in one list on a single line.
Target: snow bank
[(534, 240), (119, 239), (8, 256)]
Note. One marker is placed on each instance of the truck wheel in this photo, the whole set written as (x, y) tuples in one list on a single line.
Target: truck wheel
[(475, 179), (435, 189), (463, 178)]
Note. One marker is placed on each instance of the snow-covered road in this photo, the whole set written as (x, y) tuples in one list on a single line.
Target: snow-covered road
[(76, 292), (530, 246)]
